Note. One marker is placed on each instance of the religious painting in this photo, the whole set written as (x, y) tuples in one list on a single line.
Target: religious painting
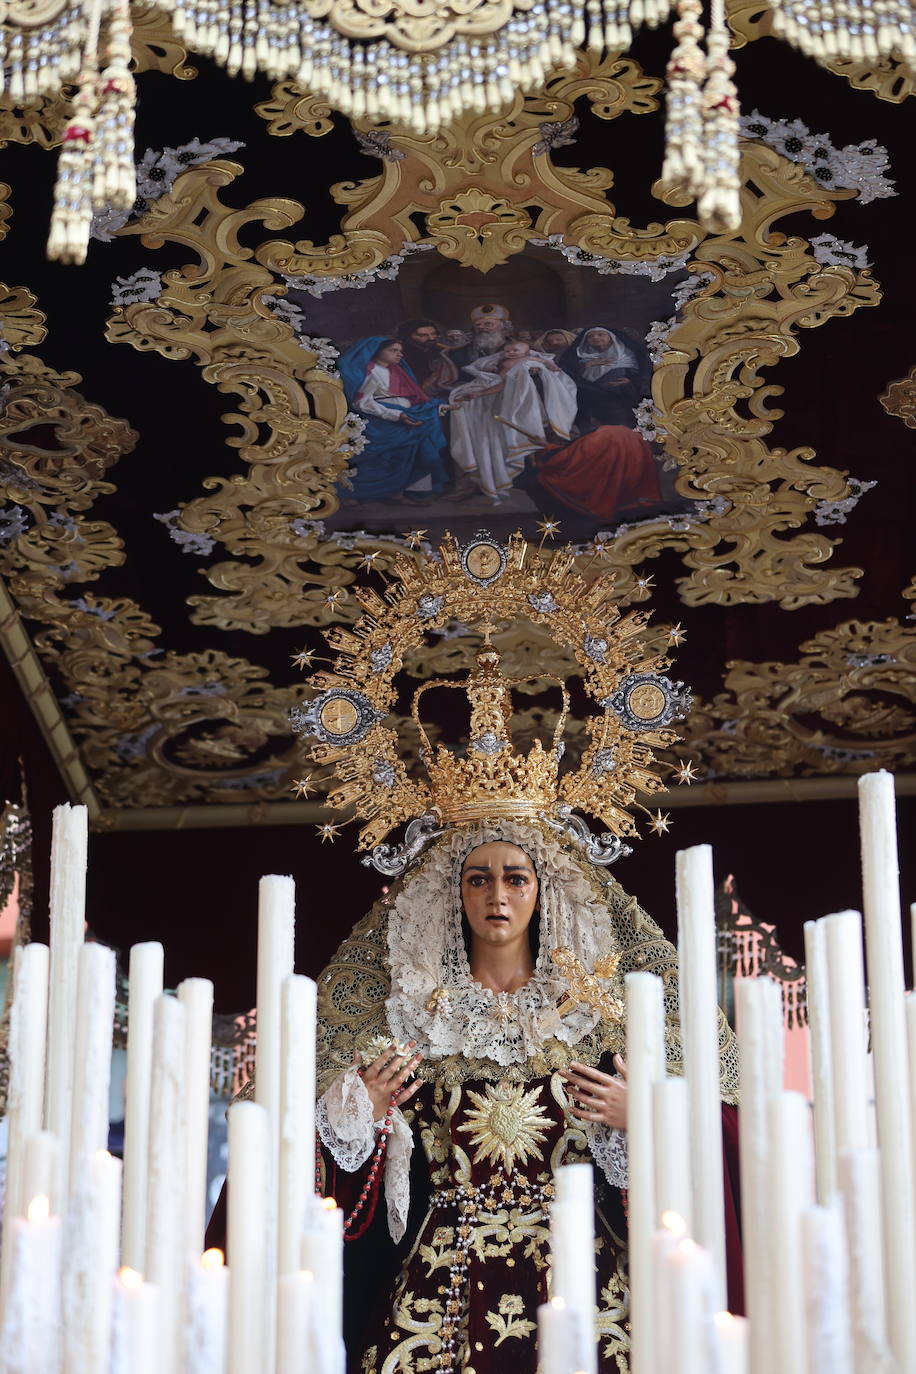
[(503, 397)]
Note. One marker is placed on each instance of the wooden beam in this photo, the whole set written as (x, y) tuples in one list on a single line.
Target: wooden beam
[(31, 677), (752, 793)]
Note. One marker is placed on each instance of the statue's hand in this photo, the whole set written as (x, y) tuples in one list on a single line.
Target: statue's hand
[(598, 1096), (386, 1078)]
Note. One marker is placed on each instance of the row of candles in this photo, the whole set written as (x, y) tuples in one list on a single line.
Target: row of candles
[(101, 1270)]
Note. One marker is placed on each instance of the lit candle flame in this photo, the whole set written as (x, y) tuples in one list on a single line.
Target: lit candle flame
[(130, 1278), (724, 1319), (39, 1208), (329, 1204), (212, 1259), (558, 1304), (674, 1222)]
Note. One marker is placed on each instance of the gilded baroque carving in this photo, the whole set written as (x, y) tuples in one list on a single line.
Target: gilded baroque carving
[(154, 45), (291, 110), (40, 122), (154, 731), (890, 79), (711, 388), (848, 705), (900, 398), (476, 180)]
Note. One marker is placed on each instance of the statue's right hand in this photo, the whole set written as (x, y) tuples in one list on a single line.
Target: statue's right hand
[(386, 1078)]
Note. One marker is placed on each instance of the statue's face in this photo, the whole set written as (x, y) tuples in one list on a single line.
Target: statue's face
[(499, 891)]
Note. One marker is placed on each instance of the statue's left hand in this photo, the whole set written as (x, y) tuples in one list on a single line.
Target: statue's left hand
[(386, 1078), (597, 1096)]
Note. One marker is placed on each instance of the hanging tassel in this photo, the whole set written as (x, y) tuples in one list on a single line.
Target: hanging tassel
[(683, 165), (114, 182), (71, 217), (719, 200)]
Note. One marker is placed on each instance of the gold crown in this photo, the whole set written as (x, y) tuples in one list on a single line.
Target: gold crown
[(483, 582)]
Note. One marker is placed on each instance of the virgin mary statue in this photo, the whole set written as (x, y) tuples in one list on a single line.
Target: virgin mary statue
[(471, 1037)]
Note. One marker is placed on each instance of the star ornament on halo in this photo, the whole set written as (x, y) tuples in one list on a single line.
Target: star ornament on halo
[(304, 658), (328, 831), (685, 771), (676, 634), (659, 824), (646, 582), (415, 538), (369, 560), (303, 786), (547, 528), (333, 597)]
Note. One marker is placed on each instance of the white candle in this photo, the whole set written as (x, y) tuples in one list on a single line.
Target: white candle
[(196, 996), (68, 920), (672, 1148), (92, 1235), (690, 1283), (700, 1037), (846, 975), (645, 1066), (145, 985), (166, 1226), (829, 1337), (556, 1337), (31, 1320), (27, 1038), (790, 1192), (884, 941), (92, 1053), (135, 1324), (295, 1321), (297, 1115), (858, 1173), (664, 1240), (761, 1040), (731, 1334), (27, 1043), (247, 1237), (40, 1168), (572, 1248), (322, 1256), (818, 998), (206, 1323), (276, 936)]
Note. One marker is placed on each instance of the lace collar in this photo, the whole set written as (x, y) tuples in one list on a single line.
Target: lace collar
[(435, 1000)]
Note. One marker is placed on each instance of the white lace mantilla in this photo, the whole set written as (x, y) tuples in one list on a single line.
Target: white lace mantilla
[(610, 1152), (434, 999)]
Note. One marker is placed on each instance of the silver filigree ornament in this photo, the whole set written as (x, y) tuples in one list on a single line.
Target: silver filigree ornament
[(339, 716), (393, 859), (379, 659), (595, 647), (602, 849), (489, 744), (605, 761), (483, 558), (429, 606), (648, 701), (383, 773), (543, 602)]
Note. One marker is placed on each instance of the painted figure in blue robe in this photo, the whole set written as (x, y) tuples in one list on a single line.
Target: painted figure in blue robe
[(403, 458)]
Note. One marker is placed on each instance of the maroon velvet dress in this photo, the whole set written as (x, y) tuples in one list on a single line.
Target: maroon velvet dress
[(475, 1263)]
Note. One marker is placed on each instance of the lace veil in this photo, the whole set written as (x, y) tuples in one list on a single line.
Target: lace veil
[(403, 972)]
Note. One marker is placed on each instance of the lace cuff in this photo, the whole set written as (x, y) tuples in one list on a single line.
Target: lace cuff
[(609, 1151), (343, 1118), (397, 1175)]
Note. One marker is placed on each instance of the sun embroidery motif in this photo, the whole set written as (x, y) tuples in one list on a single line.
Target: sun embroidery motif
[(507, 1124)]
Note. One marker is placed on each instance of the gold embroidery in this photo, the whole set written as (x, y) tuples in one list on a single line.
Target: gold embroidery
[(506, 1125), (508, 1319)]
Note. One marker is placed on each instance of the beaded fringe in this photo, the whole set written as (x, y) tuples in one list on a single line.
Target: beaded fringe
[(376, 80)]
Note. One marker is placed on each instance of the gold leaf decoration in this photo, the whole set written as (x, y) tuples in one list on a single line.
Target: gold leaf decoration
[(900, 398)]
